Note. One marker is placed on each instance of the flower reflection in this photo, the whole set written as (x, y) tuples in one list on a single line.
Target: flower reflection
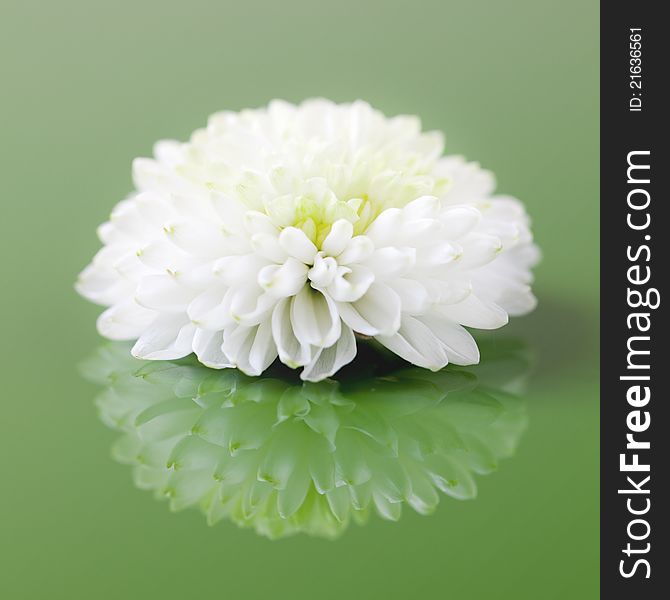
[(283, 456)]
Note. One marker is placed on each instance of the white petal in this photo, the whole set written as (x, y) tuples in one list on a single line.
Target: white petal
[(473, 312), (284, 280), (258, 222), (160, 255), (314, 318), (418, 232), (479, 249), (108, 256), (267, 245), (127, 218), (163, 292), (291, 352), (413, 295), (103, 285), (237, 340), (169, 337), (352, 284), (421, 208), (391, 262), (377, 312), (125, 321), (468, 182), (384, 229), (149, 174), (447, 292), (198, 277), (250, 348), (263, 350), (207, 347), (338, 237), (459, 220), (108, 233), (328, 361), (324, 271), (168, 152), (250, 305), (358, 249), (459, 345), (192, 201), (438, 253), (417, 344), (197, 238), (211, 309), (297, 244), (238, 270), (230, 210), (154, 208), (129, 266), (517, 300)]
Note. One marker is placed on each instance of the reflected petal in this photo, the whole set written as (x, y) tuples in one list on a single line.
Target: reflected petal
[(283, 456)]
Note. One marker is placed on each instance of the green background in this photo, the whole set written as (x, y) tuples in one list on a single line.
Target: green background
[(88, 85)]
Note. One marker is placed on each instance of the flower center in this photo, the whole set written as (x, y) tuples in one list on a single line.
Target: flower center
[(314, 213)]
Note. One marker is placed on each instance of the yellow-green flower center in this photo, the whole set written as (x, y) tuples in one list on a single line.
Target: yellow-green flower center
[(316, 215)]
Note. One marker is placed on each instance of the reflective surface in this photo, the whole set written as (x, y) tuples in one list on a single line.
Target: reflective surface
[(282, 456)]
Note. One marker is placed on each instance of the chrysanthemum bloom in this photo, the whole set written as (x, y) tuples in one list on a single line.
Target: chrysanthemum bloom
[(287, 231)]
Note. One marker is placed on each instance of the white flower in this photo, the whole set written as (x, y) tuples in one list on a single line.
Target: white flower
[(284, 231)]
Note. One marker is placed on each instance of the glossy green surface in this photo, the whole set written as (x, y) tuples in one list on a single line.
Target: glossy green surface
[(89, 85)]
